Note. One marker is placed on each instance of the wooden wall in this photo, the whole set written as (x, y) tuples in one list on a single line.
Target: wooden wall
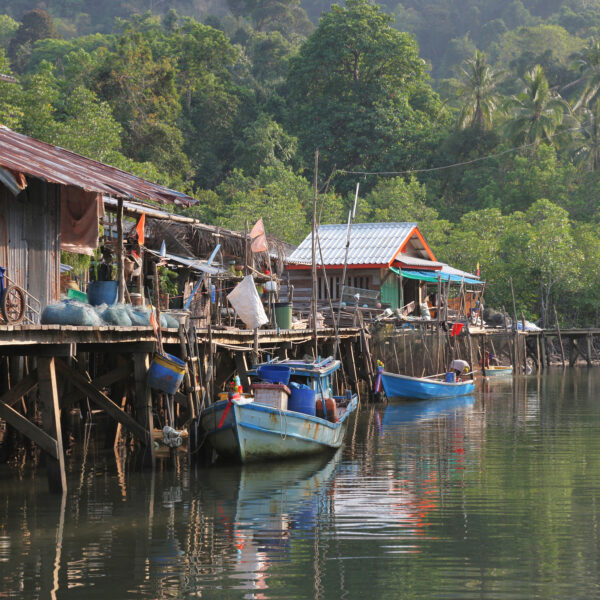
[(30, 240)]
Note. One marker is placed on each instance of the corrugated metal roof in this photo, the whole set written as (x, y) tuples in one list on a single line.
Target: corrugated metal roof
[(370, 244), (457, 272), (27, 155), (417, 262)]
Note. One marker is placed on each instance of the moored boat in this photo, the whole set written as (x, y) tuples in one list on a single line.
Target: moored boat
[(498, 370), (247, 430), (423, 388)]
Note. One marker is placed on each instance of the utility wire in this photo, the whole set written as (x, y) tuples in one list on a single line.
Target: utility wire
[(459, 164)]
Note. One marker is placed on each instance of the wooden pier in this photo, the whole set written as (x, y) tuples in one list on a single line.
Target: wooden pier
[(47, 370)]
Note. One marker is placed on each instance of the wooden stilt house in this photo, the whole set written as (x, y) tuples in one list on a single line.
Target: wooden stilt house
[(388, 265)]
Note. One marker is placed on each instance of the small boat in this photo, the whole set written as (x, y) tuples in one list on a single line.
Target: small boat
[(498, 370), (423, 388), (247, 430)]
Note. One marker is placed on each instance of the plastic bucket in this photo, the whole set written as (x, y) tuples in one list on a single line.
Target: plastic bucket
[(450, 377), (102, 292), (166, 373), (274, 373), (283, 315), (302, 399), (77, 295)]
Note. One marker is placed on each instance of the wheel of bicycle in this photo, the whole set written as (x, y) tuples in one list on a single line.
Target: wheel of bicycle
[(12, 304)]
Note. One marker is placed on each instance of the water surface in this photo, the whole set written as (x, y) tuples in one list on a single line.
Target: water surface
[(491, 496)]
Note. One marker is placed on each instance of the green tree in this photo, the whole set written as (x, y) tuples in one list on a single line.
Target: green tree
[(88, 127), (11, 102), (264, 143), (282, 198), (142, 93), (586, 145), (587, 64), (357, 90), (477, 93), (8, 28), (396, 199), (285, 16), (536, 113), (551, 253), (36, 25)]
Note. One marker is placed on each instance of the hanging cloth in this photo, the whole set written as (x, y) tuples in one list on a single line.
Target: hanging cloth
[(79, 214)]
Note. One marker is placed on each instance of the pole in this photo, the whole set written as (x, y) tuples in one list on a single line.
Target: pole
[(314, 255), (351, 215), (120, 258), (157, 307)]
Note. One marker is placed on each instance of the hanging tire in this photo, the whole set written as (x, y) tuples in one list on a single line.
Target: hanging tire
[(12, 304)]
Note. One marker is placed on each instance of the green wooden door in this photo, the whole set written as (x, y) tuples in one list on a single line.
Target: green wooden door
[(389, 292)]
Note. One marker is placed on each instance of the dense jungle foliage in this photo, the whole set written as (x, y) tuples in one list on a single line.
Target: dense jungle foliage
[(478, 119)]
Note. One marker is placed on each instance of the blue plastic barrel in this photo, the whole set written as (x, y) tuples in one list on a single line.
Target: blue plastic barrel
[(274, 373), (166, 373), (102, 292), (302, 399), (450, 377)]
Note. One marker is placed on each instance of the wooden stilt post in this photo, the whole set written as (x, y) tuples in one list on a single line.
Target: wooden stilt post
[(143, 404), (562, 348), (588, 341), (57, 477)]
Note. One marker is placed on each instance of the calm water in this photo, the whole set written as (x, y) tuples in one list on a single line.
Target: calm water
[(495, 496)]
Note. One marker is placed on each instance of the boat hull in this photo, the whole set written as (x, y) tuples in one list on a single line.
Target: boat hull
[(252, 432), (498, 371), (417, 388)]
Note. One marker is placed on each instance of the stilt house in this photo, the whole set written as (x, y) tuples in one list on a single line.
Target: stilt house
[(388, 265), (51, 199)]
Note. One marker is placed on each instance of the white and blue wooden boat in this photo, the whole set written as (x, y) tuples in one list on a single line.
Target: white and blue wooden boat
[(423, 388), (247, 431), (498, 371)]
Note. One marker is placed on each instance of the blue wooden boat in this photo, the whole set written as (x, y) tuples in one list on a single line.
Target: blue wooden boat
[(423, 388), (247, 431)]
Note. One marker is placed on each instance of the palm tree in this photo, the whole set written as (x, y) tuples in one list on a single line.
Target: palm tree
[(477, 93), (587, 144), (537, 113), (587, 64)]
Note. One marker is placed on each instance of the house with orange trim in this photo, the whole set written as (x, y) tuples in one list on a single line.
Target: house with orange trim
[(388, 264)]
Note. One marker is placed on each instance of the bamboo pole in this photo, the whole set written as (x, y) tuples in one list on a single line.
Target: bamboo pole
[(314, 256), (351, 215), (120, 257)]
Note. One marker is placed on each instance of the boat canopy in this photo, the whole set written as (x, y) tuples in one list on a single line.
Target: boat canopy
[(434, 276)]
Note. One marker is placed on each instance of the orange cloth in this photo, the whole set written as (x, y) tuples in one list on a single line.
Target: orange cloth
[(79, 214)]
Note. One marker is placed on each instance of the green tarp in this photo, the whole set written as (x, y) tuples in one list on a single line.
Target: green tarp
[(432, 276)]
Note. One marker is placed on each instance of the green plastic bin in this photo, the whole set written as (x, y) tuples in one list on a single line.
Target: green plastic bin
[(283, 315)]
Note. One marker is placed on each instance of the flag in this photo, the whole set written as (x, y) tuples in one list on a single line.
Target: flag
[(139, 229), (477, 269), (154, 323), (456, 329), (258, 239)]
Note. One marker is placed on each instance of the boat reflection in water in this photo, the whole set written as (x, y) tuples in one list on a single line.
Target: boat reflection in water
[(264, 505), (397, 414)]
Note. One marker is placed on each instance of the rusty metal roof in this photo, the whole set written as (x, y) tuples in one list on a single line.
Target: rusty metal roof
[(29, 156)]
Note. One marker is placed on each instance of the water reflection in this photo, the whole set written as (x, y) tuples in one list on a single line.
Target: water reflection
[(486, 497)]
